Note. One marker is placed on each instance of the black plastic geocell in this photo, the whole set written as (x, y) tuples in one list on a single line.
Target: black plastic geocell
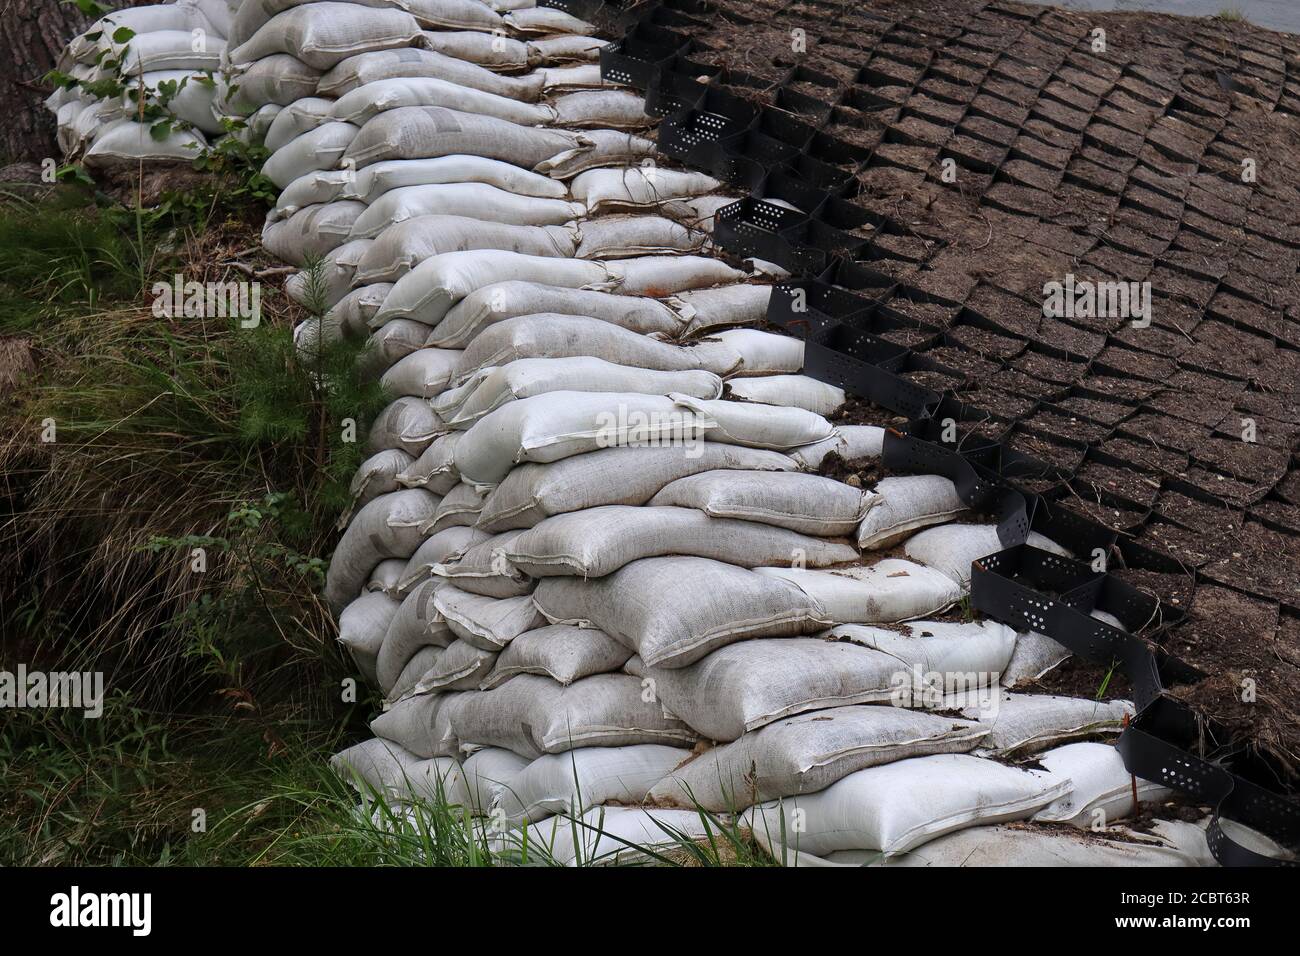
[(834, 304)]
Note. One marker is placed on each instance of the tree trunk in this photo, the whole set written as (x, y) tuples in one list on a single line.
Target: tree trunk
[(32, 34)]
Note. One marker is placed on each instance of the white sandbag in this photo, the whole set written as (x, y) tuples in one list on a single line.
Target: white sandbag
[(562, 48), (407, 423), (429, 290), (571, 336), (310, 339), (280, 79), (1102, 789), (905, 503), (849, 442), (807, 753), (65, 120), (860, 442), (613, 836), (362, 626), (462, 666), (366, 68), (637, 186), (300, 116), (164, 50), (1036, 654), (369, 100), (886, 592), (665, 275), (385, 576), (766, 353), (585, 777), (493, 51), (252, 129), (436, 550), (546, 20), (477, 200), (416, 625), (508, 300), (192, 102), (404, 245), (713, 604), (423, 373), (1170, 843), (312, 231), (806, 503), (423, 132), (487, 772), (557, 425), (629, 476), (351, 315), (318, 148), (898, 806), (951, 548), (376, 765), (728, 305), (533, 715), (460, 506), (758, 426), (601, 109), (332, 280), (388, 343), (321, 34), (944, 665), (482, 569), (455, 14), (599, 541), (375, 180), (449, 403), (250, 15), (749, 684), (435, 469), (583, 77), (612, 237), (387, 527), (422, 661), (793, 391), (1024, 723), (524, 378), (125, 143), (311, 188), (90, 121), (84, 47), (409, 723), (559, 651), (609, 147), (377, 476), (486, 622)]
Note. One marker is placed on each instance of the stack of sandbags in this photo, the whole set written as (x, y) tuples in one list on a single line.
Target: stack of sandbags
[(589, 563), (142, 85)]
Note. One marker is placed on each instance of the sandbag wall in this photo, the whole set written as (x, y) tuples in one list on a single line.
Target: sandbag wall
[(566, 529), (592, 564), (141, 84)]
